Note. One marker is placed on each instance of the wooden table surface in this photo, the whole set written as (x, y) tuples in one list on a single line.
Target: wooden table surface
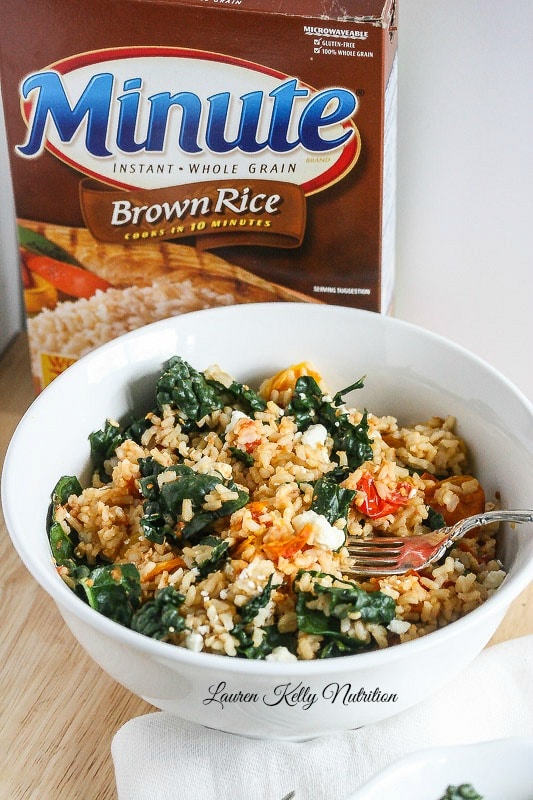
[(59, 711)]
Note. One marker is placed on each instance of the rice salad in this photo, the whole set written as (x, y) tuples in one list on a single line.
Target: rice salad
[(218, 520)]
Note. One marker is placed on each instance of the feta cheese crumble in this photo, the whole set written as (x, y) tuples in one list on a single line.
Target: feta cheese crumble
[(315, 435), (236, 415), (322, 534)]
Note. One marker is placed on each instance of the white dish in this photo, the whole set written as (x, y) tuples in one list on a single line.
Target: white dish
[(498, 770), (411, 374)]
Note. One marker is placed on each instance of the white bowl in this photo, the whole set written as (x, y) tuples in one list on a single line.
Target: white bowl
[(501, 769), (411, 374)]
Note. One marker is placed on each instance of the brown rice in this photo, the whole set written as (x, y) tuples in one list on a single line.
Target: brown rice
[(275, 544)]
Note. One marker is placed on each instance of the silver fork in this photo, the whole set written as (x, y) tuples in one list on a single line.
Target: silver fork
[(384, 555)]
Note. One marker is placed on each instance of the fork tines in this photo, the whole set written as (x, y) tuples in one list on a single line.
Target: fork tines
[(384, 543), (378, 553), (377, 547)]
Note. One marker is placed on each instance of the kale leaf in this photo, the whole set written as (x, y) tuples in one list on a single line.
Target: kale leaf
[(353, 440), (104, 442), (162, 509), (154, 525), (308, 406), (192, 396), (61, 543), (251, 609), (338, 399), (114, 590), (196, 486), (435, 520), (246, 634), (463, 792), (218, 555), (61, 546), (271, 638), (374, 607), (330, 500), (307, 403), (341, 600), (64, 488), (136, 427), (336, 647), (239, 394), (187, 392), (242, 455), (103, 445), (160, 617)]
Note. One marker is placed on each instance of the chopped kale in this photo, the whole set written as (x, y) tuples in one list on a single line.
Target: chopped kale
[(160, 617), (192, 396), (187, 392), (64, 488), (135, 429), (241, 455), (353, 440), (247, 635), (104, 442), (163, 504), (61, 542), (271, 638), (154, 526), (248, 397), (238, 394), (195, 487), (216, 558), (61, 546), (306, 403), (103, 445), (374, 607), (251, 609), (149, 467), (412, 470), (463, 792), (338, 398), (330, 500), (114, 590), (324, 619), (335, 648), (308, 406), (434, 519)]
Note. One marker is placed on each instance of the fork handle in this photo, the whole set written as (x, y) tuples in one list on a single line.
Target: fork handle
[(487, 517)]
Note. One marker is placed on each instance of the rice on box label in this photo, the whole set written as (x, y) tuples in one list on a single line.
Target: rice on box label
[(173, 156)]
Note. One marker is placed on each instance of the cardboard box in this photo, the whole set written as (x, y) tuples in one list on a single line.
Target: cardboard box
[(169, 156)]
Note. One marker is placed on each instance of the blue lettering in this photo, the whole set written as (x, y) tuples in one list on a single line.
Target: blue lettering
[(331, 107), (249, 120), (314, 118), (161, 104), (284, 96), (52, 102), (127, 118)]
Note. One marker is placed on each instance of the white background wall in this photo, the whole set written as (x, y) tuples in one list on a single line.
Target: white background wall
[(465, 181), (465, 176)]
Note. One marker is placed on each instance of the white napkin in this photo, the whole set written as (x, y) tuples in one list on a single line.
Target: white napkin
[(161, 756)]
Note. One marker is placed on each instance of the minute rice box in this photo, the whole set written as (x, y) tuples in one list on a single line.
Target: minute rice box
[(176, 155)]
